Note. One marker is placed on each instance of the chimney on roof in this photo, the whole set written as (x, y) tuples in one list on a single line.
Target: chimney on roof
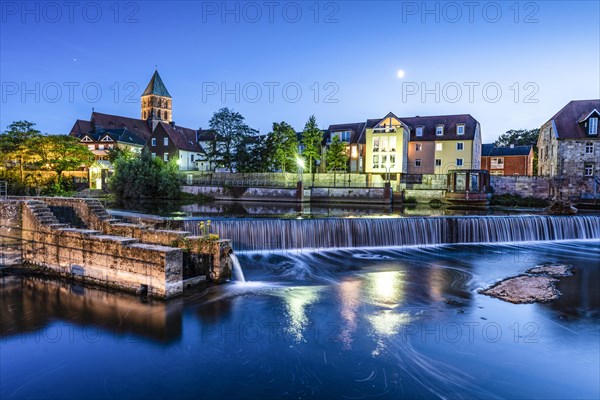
[(172, 123)]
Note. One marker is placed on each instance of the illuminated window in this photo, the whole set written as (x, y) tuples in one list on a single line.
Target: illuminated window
[(375, 144), (384, 144), (392, 143)]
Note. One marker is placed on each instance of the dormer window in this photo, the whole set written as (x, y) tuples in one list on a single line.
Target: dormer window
[(439, 130), (460, 129), (419, 131), (593, 126)]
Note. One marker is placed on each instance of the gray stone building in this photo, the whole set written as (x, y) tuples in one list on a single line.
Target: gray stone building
[(569, 146)]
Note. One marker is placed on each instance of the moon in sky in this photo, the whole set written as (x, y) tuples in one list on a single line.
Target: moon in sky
[(400, 74)]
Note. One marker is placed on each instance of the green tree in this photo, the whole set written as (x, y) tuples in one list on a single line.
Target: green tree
[(230, 130), (284, 146), (144, 177), (312, 138), (336, 157), (254, 154), (60, 153), (16, 146), (120, 152), (521, 137)]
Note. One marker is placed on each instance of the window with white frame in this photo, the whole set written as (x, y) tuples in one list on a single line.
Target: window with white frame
[(588, 170), (460, 129), (439, 146), (153, 142), (165, 141), (392, 144), (384, 163), (460, 146), (419, 131), (418, 147), (417, 162), (439, 130), (593, 126), (438, 162), (375, 161), (153, 155), (100, 147), (91, 147), (375, 144), (166, 157), (384, 144), (344, 136), (497, 163), (392, 160), (589, 148), (459, 162)]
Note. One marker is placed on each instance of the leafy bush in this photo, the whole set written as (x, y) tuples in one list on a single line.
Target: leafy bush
[(145, 177)]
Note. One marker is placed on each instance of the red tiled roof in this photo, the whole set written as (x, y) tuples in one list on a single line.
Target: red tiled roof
[(81, 127), (136, 126), (567, 119), (184, 138)]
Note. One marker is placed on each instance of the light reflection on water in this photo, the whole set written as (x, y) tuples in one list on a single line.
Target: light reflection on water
[(357, 323)]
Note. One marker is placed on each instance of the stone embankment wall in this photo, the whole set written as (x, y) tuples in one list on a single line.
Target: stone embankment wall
[(127, 256)]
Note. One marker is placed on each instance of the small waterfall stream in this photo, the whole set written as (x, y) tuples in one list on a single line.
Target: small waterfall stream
[(238, 274), (282, 234)]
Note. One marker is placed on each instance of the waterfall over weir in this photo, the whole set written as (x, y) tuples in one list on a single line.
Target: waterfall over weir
[(283, 234)]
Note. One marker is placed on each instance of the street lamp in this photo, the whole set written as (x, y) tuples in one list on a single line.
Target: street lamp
[(387, 168), (301, 165)]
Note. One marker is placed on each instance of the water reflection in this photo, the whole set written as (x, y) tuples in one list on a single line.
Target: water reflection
[(385, 289), (292, 210), (297, 301), (349, 294), (29, 304)]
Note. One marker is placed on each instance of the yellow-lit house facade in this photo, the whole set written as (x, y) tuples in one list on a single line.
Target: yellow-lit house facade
[(386, 144), (444, 142)]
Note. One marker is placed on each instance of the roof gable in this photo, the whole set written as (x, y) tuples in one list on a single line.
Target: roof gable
[(183, 138), (569, 122)]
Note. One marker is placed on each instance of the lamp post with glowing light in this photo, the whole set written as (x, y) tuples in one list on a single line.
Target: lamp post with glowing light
[(300, 184), (301, 165), (387, 171)]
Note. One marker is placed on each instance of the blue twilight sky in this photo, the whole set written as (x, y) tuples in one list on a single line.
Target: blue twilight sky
[(509, 64)]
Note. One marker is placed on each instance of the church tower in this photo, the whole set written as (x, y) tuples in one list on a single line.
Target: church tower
[(156, 102)]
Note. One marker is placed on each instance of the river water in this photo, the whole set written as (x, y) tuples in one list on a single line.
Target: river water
[(383, 323)]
